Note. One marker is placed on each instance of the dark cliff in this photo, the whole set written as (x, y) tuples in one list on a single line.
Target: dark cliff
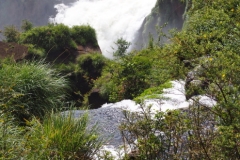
[(12, 12), (165, 11)]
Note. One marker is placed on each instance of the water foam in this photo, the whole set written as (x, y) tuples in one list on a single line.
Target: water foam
[(112, 19)]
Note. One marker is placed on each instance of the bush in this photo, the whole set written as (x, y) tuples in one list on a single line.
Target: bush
[(11, 141), (91, 65), (40, 37), (35, 52), (62, 36), (61, 136), (26, 25), (11, 34), (128, 77), (56, 40), (122, 46), (84, 35), (51, 38), (175, 134), (30, 88)]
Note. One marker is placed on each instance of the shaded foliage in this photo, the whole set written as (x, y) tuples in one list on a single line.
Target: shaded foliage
[(30, 89), (11, 34)]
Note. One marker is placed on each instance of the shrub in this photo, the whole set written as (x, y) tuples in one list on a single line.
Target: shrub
[(11, 141), (61, 136), (91, 65), (126, 78), (35, 52), (122, 46), (135, 72), (40, 37), (175, 134), (30, 88), (62, 36), (26, 25), (84, 35), (11, 34), (51, 38), (55, 40)]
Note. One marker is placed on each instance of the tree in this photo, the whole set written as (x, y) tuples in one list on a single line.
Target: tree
[(122, 46), (26, 25), (11, 34)]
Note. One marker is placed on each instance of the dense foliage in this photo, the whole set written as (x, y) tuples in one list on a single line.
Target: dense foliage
[(51, 41), (30, 89), (58, 39), (205, 53), (208, 47), (129, 75), (59, 136)]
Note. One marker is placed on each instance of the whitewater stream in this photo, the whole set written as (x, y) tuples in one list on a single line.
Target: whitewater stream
[(109, 116), (112, 19)]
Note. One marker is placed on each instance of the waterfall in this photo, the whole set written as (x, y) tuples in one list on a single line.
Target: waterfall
[(112, 19)]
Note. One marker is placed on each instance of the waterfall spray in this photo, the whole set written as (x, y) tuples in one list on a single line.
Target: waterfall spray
[(112, 19)]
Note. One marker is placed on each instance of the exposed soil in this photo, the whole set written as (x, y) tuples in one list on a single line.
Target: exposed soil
[(69, 55), (20, 52), (13, 49)]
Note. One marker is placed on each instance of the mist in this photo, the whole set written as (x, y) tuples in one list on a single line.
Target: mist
[(12, 12), (112, 19)]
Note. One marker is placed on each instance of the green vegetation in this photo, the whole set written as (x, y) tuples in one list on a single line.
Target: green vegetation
[(33, 125), (26, 25), (152, 92), (131, 74), (59, 136), (178, 134), (122, 46), (207, 47), (58, 44), (82, 75), (52, 40), (84, 35), (11, 34), (30, 89), (62, 137)]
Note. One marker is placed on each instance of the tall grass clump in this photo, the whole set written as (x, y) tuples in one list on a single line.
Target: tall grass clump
[(61, 136), (11, 140), (30, 89)]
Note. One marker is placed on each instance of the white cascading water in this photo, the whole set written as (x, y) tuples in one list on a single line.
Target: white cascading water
[(112, 19)]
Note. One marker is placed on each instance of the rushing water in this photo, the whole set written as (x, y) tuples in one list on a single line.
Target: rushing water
[(112, 19)]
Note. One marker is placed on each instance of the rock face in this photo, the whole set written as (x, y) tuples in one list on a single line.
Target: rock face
[(196, 80), (95, 99), (12, 12), (165, 11), (88, 49), (67, 56), (13, 49)]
